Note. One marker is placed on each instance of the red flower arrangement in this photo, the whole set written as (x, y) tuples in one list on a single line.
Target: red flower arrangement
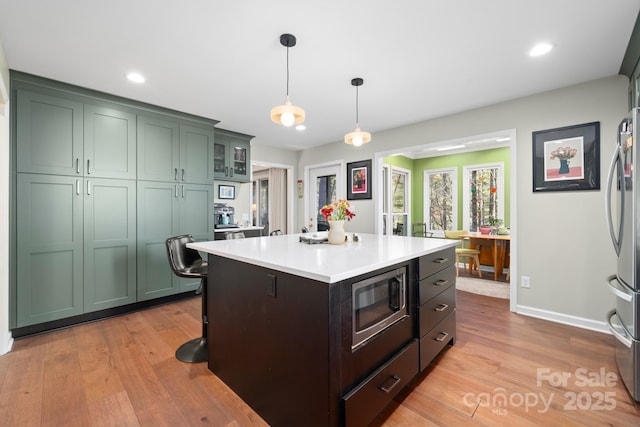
[(337, 211)]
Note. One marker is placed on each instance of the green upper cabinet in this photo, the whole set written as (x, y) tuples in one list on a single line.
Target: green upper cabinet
[(49, 134), (171, 151), (232, 156), (158, 149), (109, 143), (196, 153), (60, 136)]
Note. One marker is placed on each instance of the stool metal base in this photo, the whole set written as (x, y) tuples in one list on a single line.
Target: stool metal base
[(194, 351)]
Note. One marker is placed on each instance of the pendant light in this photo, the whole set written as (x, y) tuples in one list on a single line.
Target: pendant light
[(287, 114), (357, 137)]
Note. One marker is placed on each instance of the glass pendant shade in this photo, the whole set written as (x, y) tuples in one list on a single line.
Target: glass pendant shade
[(357, 137), (287, 114)]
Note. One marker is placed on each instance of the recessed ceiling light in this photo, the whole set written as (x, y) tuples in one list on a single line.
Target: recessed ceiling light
[(301, 127), (135, 77), (540, 49)]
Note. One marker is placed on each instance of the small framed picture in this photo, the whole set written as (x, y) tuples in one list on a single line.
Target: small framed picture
[(567, 158), (359, 180), (226, 192)]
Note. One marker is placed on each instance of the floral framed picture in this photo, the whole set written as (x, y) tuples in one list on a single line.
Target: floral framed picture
[(359, 180), (567, 158)]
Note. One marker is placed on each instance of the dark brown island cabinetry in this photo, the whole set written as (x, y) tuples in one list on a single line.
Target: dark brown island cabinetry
[(283, 342)]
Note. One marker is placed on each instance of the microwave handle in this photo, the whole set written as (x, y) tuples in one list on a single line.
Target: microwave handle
[(396, 293)]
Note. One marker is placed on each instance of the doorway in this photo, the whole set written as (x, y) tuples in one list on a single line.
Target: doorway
[(504, 138), (272, 196), (325, 184)]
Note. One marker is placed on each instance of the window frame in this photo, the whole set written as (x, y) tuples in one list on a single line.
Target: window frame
[(453, 171), (466, 190)]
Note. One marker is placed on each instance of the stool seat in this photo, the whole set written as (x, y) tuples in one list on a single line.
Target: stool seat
[(187, 262)]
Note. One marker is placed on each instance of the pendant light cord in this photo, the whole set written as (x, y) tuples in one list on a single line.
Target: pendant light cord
[(357, 102), (287, 71)]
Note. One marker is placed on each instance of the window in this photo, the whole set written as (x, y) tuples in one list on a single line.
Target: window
[(483, 194), (325, 194), (441, 200), (396, 201)]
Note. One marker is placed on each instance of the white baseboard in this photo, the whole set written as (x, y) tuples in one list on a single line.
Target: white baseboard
[(578, 322), (6, 342)]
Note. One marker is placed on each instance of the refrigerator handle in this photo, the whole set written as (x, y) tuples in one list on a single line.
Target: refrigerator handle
[(615, 161), (618, 330), (618, 289)]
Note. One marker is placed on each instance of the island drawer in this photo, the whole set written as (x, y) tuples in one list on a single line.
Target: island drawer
[(432, 343), (432, 312), (432, 263), (366, 400), (436, 283)]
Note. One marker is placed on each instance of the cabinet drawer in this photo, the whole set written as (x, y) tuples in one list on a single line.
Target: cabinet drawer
[(435, 284), (436, 309), (432, 263), (365, 401), (432, 343)]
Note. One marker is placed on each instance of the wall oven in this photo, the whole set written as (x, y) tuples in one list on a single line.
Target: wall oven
[(378, 303)]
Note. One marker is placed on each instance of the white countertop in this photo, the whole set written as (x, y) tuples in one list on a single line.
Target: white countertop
[(324, 262), (239, 228)]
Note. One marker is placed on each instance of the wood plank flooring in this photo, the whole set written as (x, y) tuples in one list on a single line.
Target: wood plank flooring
[(501, 371)]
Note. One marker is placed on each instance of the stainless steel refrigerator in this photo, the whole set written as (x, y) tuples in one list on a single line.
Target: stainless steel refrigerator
[(623, 215)]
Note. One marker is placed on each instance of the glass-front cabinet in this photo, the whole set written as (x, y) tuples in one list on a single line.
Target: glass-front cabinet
[(231, 156)]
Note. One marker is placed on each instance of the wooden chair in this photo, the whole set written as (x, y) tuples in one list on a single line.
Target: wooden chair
[(472, 254)]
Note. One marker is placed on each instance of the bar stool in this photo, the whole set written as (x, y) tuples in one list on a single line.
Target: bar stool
[(187, 262)]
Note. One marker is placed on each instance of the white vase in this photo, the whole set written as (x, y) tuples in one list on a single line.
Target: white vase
[(336, 232)]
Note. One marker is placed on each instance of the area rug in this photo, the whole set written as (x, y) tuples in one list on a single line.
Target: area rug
[(483, 287)]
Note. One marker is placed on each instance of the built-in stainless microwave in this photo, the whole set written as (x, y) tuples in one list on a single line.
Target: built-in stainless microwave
[(377, 303)]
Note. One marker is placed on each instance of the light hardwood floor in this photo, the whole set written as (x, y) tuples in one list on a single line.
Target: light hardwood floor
[(122, 372)]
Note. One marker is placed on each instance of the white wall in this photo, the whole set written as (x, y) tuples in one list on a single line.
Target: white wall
[(563, 243), (5, 336)]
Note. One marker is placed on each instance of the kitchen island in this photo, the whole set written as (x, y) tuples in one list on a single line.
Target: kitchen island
[(282, 321)]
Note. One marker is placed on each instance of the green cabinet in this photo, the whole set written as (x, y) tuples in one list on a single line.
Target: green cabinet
[(109, 243), (76, 246), (109, 143), (232, 156), (49, 134), (167, 209), (49, 248), (174, 152), (61, 136)]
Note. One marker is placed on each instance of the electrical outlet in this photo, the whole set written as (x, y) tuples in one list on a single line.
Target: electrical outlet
[(525, 282)]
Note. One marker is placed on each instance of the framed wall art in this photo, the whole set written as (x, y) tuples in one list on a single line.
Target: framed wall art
[(359, 180), (226, 192), (567, 158)]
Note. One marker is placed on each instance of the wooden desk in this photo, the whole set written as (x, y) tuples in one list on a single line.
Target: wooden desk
[(499, 248)]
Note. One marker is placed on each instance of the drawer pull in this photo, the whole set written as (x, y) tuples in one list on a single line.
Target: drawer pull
[(440, 260), (396, 381), (441, 282), (441, 307), (443, 336)]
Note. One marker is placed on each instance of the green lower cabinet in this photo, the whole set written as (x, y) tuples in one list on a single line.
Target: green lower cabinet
[(109, 243), (76, 250), (49, 248), (166, 209)]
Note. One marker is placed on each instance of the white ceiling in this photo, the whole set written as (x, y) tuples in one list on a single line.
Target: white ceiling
[(223, 59)]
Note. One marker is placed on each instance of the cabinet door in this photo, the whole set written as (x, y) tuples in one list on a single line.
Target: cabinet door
[(109, 243), (49, 248), (240, 162), (158, 210), (109, 143), (221, 159), (158, 149), (196, 154), (196, 218), (48, 134)]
